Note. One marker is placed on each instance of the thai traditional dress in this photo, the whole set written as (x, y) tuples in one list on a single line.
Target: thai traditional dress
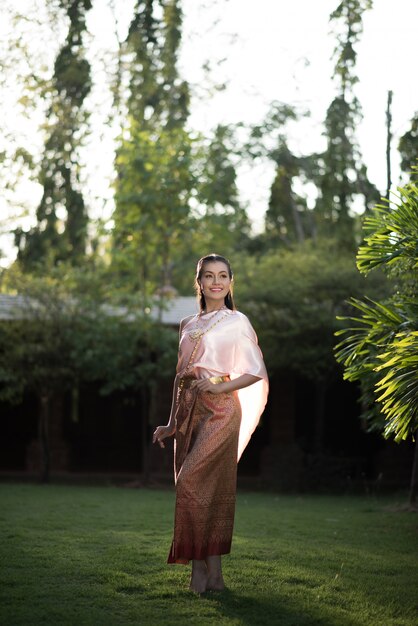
[(212, 430)]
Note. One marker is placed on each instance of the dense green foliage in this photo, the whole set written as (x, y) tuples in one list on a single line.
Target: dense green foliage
[(91, 555), (64, 338), (293, 296)]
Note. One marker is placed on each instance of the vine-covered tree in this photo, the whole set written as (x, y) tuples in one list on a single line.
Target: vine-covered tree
[(154, 182), (60, 232), (176, 193)]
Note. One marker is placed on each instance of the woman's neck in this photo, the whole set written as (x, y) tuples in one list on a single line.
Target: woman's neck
[(211, 308)]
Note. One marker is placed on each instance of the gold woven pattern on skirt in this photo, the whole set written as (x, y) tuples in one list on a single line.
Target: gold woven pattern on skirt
[(207, 430)]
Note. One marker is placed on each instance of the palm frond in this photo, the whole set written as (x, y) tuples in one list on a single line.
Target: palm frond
[(391, 233)]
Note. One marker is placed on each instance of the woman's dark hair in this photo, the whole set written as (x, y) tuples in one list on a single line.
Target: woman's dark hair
[(212, 258)]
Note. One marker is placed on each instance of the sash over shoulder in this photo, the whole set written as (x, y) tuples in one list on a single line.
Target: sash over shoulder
[(230, 349)]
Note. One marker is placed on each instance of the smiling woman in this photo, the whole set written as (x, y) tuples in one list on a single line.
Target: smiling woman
[(219, 394)]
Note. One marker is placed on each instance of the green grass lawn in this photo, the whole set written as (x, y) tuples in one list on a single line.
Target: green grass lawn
[(96, 556)]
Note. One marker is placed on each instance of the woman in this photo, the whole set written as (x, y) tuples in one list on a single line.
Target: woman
[(219, 394)]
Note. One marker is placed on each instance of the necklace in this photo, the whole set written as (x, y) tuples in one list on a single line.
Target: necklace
[(198, 332)]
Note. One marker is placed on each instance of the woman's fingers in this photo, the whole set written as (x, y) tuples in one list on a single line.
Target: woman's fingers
[(160, 433), (204, 384), (160, 442)]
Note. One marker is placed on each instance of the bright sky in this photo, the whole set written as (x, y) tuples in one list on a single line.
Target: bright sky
[(270, 50)]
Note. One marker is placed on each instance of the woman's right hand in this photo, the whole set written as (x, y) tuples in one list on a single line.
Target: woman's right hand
[(161, 432)]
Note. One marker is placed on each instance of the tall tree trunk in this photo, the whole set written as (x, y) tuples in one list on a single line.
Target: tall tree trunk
[(388, 143), (298, 223), (43, 436), (414, 473)]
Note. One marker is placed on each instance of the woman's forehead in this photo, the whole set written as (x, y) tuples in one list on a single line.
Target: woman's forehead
[(215, 267)]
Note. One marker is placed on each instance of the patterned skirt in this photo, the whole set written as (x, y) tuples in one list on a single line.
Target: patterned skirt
[(207, 430)]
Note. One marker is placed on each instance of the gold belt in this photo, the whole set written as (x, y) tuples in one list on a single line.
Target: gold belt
[(213, 379), (219, 379)]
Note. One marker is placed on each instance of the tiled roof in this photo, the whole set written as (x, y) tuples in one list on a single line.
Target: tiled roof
[(12, 307), (176, 309)]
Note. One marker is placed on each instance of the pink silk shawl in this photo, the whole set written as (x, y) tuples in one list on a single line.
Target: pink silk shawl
[(229, 348)]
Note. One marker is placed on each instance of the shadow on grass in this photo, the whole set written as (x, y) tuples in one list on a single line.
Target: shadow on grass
[(274, 610)]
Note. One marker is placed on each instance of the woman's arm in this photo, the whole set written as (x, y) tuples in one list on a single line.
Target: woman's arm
[(205, 384)]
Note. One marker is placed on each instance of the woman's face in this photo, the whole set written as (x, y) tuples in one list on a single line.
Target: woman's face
[(214, 281)]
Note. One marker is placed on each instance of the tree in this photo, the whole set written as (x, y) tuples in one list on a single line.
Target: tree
[(380, 350), (66, 336), (287, 214), (124, 349), (219, 220), (154, 182), (176, 192), (341, 176), (34, 354), (408, 147), (388, 144), (152, 207), (287, 218), (61, 229), (24, 81)]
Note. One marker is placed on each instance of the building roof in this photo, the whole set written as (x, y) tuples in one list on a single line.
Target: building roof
[(175, 309), (13, 306)]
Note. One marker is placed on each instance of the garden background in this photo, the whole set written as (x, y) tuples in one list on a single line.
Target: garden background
[(128, 153)]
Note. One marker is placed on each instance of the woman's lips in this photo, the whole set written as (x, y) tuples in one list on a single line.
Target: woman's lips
[(216, 289)]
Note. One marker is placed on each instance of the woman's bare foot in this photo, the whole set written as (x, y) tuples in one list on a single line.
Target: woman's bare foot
[(215, 581), (199, 577), (215, 584)]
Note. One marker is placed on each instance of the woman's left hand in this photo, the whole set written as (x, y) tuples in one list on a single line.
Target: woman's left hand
[(205, 384)]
